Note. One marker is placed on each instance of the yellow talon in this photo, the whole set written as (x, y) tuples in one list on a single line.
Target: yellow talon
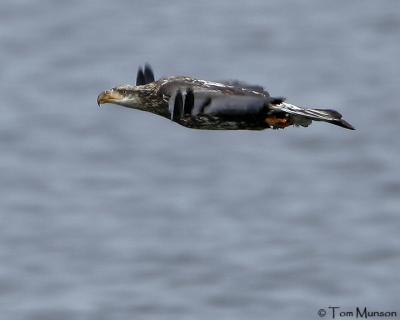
[(275, 122)]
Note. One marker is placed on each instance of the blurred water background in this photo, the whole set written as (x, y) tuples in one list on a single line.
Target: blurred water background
[(117, 214)]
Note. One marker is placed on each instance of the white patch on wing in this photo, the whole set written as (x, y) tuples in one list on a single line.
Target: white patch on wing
[(211, 83), (125, 86), (164, 81)]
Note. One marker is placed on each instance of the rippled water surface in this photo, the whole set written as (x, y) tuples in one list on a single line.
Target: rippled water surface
[(116, 214)]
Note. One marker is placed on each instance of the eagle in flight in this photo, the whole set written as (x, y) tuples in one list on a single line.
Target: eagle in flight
[(224, 105)]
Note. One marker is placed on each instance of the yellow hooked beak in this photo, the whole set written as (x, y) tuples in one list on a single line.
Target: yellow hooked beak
[(109, 96)]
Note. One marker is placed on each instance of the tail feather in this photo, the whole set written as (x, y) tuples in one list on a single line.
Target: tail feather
[(331, 112), (301, 115), (336, 118), (342, 123)]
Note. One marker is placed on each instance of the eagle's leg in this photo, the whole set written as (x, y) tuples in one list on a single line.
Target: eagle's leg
[(278, 121)]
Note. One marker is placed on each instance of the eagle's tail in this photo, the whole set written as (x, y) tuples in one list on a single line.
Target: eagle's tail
[(304, 117)]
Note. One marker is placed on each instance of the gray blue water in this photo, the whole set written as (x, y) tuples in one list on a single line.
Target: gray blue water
[(116, 214)]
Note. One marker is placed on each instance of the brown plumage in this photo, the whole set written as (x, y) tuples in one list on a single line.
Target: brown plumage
[(226, 105)]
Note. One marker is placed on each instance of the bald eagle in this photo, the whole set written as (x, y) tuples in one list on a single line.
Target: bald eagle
[(224, 105)]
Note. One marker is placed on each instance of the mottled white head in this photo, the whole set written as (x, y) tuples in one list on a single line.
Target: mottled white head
[(124, 95)]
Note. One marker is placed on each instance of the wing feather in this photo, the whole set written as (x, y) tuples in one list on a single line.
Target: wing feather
[(148, 73), (235, 105), (244, 85), (144, 76), (176, 106), (140, 80)]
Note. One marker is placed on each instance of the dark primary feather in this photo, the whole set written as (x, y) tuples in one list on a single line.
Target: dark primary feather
[(146, 76), (189, 103), (200, 101), (140, 77), (181, 104), (177, 107)]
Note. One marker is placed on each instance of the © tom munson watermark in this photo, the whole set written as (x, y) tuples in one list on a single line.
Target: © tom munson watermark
[(357, 312)]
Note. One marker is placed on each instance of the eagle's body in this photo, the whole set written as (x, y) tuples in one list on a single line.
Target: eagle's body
[(226, 105), (157, 96)]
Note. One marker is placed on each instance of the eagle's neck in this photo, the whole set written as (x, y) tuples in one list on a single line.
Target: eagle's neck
[(152, 100)]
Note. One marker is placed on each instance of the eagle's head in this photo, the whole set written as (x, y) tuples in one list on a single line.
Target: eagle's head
[(125, 95)]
